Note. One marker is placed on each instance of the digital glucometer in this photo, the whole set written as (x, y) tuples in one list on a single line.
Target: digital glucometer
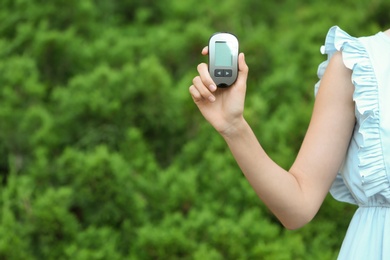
[(223, 59)]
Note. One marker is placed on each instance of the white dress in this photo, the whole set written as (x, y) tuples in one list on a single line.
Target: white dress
[(364, 178)]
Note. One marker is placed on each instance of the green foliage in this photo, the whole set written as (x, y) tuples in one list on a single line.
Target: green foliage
[(103, 154)]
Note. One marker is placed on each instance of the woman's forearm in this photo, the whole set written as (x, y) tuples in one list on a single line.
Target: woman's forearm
[(276, 187)]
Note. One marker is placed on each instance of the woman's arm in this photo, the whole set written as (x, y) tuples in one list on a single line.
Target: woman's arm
[(294, 196)]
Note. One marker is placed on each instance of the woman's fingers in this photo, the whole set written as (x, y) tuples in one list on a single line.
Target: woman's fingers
[(206, 78), (204, 91), (205, 50), (196, 96), (203, 85)]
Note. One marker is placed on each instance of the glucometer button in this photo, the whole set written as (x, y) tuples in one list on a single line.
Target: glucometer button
[(219, 73), (223, 73), (227, 73)]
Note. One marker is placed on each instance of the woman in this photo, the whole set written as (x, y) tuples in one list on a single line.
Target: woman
[(346, 149)]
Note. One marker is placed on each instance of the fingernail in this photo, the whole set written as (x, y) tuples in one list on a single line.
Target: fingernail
[(213, 87), (211, 98)]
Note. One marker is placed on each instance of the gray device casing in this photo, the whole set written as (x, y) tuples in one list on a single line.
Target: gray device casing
[(217, 72)]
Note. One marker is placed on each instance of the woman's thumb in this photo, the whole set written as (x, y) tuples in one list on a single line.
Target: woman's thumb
[(243, 69)]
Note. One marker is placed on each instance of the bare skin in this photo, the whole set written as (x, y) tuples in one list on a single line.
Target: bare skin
[(294, 196)]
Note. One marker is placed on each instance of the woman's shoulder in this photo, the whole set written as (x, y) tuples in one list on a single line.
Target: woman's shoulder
[(387, 32)]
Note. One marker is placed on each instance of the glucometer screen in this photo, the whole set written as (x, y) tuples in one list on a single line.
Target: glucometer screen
[(223, 55)]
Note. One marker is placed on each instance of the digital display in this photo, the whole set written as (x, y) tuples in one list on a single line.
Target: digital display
[(223, 54)]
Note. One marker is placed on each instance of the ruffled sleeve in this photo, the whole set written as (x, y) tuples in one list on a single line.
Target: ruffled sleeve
[(352, 50), (370, 159)]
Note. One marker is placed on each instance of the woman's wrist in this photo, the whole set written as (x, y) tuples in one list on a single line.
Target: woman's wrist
[(234, 129)]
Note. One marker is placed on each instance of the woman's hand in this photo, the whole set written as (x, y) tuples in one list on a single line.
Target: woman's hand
[(222, 107)]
